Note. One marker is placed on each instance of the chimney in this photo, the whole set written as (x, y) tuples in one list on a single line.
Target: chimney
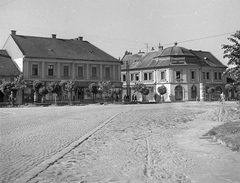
[(160, 48), (80, 38), (13, 32), (54, 36), (176, 43)]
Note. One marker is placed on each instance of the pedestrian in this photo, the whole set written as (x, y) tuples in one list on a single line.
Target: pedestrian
[(197, 99), (11, 98), (222, 98), (135, 98)]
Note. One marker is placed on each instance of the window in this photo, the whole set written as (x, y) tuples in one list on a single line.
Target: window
[(136, 77), (145, 76), (150, 76), (208, 75), (65, 70), (107, 72), (94, 71), (192, 74), (220, 76), (132, 75), (50, 70), (80, 71), (163, 75), (178, 74), (124, 77), (203, 75), (34, 69), (215, 75)]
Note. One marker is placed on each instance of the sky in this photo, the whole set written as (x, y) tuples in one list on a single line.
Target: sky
[(116, 26)]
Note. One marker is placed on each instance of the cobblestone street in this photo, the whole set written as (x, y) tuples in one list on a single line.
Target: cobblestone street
[(31, 135), (140, 143)]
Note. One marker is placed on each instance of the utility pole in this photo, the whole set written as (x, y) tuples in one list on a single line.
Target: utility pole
[(128, 80)]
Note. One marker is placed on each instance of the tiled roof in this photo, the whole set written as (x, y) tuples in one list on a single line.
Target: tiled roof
[(163, 58), (54, 48), (132, 60), (7, 65), (175, 51), (208, 58)]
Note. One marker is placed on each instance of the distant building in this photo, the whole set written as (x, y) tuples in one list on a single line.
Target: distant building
[(8, 71), (185, 73), (54, 59)]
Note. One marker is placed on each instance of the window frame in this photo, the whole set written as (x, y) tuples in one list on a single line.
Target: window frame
[(107, 71), (64, 71), (94, 72), (82, 71), (176, 75), (50, 70), (37, 69)]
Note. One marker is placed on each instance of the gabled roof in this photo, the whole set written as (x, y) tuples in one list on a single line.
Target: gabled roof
[(132, 60), (7, 65), (54, 48)]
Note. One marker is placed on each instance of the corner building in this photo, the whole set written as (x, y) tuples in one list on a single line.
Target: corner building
[(185, 73)]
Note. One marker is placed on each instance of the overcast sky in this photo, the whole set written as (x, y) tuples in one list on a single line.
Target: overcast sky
[(119, 25)]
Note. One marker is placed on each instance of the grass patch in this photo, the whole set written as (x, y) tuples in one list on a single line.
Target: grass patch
[(229, 133)]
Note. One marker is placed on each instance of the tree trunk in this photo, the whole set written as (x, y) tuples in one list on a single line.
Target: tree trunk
[(43, 99), (35, 97), (69, 97)]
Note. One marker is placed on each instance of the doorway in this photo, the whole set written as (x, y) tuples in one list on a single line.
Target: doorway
[(194, 92), (178, 92)]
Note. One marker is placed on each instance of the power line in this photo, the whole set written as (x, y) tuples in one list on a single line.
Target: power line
[(7, 3)]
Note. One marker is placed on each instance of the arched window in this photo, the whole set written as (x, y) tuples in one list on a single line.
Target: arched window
[(218, 90)]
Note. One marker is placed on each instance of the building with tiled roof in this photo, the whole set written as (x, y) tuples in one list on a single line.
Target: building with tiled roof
[(8, 70), (53, 59), (186, 73)]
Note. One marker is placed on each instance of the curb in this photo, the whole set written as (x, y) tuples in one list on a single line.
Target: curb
[(28, 176)]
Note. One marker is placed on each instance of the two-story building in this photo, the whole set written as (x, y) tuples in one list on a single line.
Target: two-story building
[(50, 59), (185, 73)]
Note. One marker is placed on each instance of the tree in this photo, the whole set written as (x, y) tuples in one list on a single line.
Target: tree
[(17, 84), (67, 87), (141, 88), (232, 52), (6, 87), (105, 87), (54, 88), (162, 90), (210, 92), (37, 84), (94, 89), (43, 91)]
